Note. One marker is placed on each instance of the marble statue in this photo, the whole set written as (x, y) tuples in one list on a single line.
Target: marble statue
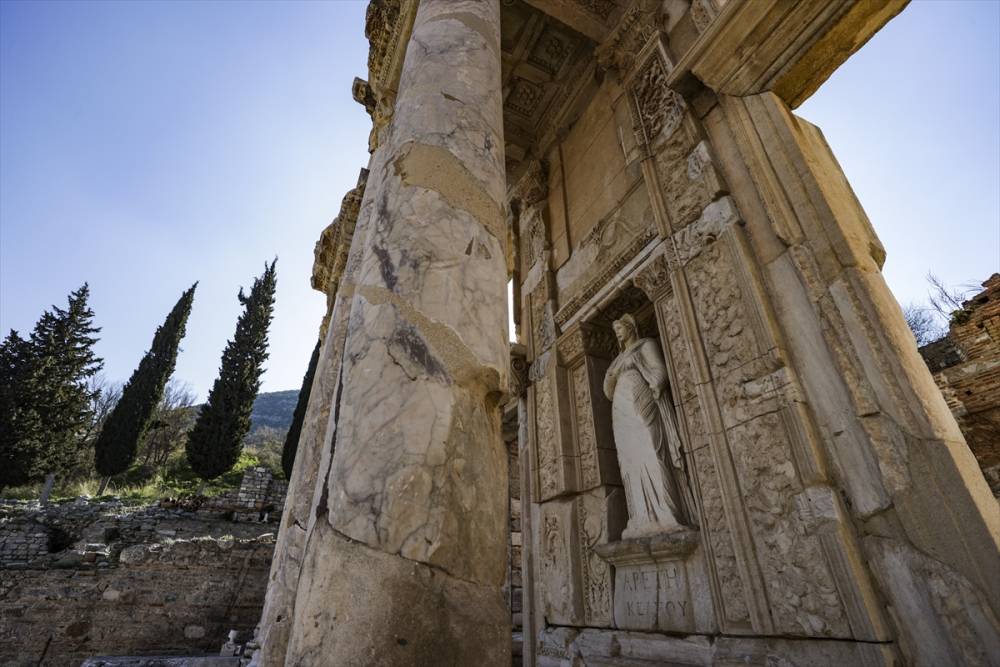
[(649, 446)]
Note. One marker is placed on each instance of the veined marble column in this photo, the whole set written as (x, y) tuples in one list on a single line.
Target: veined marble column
[(406, 558)]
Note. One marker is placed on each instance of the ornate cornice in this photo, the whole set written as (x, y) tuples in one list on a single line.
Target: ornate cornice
[(654, 278), (387, 26), (331, 251), (635, 28), (595, 284), (533, 186)]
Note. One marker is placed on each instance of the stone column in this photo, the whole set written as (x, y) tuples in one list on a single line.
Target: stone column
[(406, 558)]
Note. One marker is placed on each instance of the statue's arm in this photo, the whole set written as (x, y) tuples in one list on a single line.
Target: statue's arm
[(656, 369), (610, 380)]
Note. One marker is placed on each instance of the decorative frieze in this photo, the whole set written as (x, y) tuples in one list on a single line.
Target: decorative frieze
[(658, 109), (637, 25)]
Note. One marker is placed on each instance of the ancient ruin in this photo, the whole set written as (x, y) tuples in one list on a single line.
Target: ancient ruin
[(730, 450), (92, 578), (966, 366)]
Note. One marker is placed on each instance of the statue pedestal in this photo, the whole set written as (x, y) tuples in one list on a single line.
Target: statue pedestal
[(660, 583)]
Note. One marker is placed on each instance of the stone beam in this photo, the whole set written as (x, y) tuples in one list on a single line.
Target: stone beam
[(789, 48), (590, 19)]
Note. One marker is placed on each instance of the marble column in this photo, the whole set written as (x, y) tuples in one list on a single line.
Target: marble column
[(407, 554)]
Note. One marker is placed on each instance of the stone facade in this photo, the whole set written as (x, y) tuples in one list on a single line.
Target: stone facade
[(966, 366), (635, 157)]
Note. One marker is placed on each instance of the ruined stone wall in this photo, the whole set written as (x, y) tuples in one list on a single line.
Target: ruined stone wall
[(966, 366), (82, 578), (176, 597)]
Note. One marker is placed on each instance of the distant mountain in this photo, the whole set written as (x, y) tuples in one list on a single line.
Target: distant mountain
[(274, 409)]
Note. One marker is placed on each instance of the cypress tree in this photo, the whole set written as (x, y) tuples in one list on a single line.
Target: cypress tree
[(215, 442), (295, 430), (116, 446)]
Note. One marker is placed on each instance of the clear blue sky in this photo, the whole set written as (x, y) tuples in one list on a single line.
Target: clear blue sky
[(144, 146)]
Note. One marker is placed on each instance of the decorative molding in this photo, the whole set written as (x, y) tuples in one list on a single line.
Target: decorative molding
[(518, 370), (792, 49), (334, 244), (387, 27), (654, 278), (533, 186), (638, 24), (652, 549), (586, 339), (602, 279)]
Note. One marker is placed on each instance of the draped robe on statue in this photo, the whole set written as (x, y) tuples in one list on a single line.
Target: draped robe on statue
[(649, 446)]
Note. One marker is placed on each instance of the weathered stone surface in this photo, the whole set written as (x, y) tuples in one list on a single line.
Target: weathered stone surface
[(392, 610), (966, 366), (418, 475), (652, 167), (177, 597)]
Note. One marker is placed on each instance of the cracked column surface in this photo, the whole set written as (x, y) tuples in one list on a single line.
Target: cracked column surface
[(406, 555)]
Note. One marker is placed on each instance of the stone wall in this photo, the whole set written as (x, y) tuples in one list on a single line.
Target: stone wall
[(966, 366), (83, 578), (175, 597)]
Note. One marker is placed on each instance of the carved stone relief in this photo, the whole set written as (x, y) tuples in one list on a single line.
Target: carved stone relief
[(576, 582), (620, 50), (547, 447), (606, 249), (560, 597), (586, 436), (687, 175), (659, 110), (802, 595), (600, 518), (702, 13)]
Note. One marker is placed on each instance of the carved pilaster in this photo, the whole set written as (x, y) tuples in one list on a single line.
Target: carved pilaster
[(518, 370)]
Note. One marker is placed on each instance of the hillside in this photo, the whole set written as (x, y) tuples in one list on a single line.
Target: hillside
[(274, 409)]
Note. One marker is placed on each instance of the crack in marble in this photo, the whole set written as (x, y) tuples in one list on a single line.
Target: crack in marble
[(458, 359)]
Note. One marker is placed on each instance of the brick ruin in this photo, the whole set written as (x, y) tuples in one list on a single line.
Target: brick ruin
[(966, 366)]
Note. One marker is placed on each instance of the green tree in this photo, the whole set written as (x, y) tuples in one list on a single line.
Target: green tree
[(45, 405), (215, 442), (116, 446), (295, 430), (64, 354), (22, 460)]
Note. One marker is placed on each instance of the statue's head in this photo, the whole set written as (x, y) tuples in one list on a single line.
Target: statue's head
[(625, 329)]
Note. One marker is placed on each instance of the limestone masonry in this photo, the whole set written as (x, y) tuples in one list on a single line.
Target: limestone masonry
[(85, 578)]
